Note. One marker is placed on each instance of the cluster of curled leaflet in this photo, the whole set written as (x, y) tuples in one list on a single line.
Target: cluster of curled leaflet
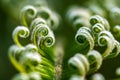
[(36, 59)]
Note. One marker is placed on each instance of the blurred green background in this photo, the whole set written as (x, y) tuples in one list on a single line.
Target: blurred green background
[(6, 26)]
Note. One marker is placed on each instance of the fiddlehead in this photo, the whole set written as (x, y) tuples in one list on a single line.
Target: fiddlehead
[(24, 58), (30, 56), (79, 63), (97, 28), (98, 19), (85, 38), (44, 12), (105, 38), (41, 34), (43, 37), (85, 65), (27, 13), (95, 60), (115, 51), (36, 22), (116, 31), (14, 53), (29, 60), (48, 41), (20, 31)]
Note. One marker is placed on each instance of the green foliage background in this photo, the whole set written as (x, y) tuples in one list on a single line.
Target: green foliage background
[(9, 20)]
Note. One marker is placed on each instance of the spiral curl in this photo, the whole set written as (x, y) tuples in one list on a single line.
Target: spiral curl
[(43, 37), (95, 60), (80, 63), (44, 12), (97, 28), (14, 53), (116, 31), (98, 19), (105, 38), (27, 12), (115, 51), (30, 56), (84, 36), (20, 31), (41, 34), (41, 20), (48, 40), (30, 59), (22, 57), (35, 22)]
